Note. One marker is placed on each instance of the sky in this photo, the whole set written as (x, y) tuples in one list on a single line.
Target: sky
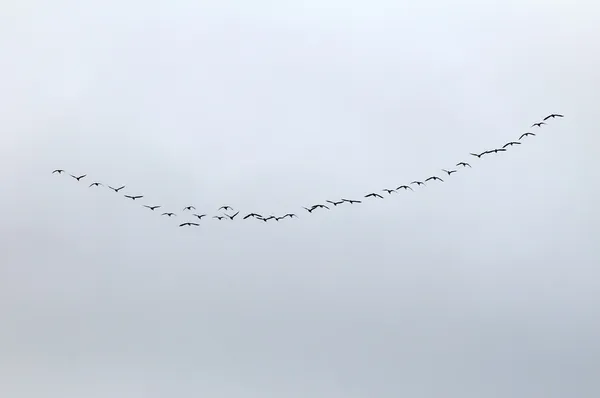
[(487, 284)]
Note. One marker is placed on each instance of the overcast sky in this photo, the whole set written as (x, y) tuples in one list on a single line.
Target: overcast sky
[(485, 285)]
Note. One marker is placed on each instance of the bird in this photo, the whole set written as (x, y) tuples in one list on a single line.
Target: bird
[(373, 195), (189, 208), (189, 224), (538, 124), (78, 178), (525, 135), (335, 203), (552, 116), (169, 214), (199, 216), (389, 191), (351, 201), (419, 183), (151, 207), (434, 178), (271, 217), (463, 164), (116, 189), (279, 218), (307, 209), (478, 155), (405, 187), (449, 172), (252, 215), (219, 217), (233, 216), (497, 150), (225, 208), (59, 171), (95, 184), (320, 207), (290, 215), (511, 144), (133, 197)]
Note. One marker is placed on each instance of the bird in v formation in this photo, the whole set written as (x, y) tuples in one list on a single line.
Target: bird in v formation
[(314, 207)]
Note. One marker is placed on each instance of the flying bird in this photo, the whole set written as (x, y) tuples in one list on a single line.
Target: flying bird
[(318, 207), (116, 189), (538, 124), (511, 144), (290, 215), (252, 215), (449, 172), (419, 183), (497, 150), (225, 208), (78, 178), (463, 164), (307, 209), (271, 217), (351, 201), (189, 208), (219, 217), (133, 197), (389, 191), (335, 203), (405, 187), (525, 135), (59, 171), (479, 155), (434, 178), (169, 214), (552, 116), (151, 207), (373, 195), (199, 216), (95, 184), (232, 217), (189, 224)]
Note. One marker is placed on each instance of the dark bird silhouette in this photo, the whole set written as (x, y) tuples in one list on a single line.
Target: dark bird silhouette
[(116, 189), (479, 155), (538, 124), (419, 183), (78, 178), (307, 209), (463, 164), (233, 216), (189, 224), (271, 217), (225, 208), (434, 178), (199, 216), (290, 215), (252, 215), (497, 150), (389, 191), (189, 208), (320, 207), (133, 197), (351, 201), (335, 203), (525, 135), (279, 218), (552, 116), (511, 144), (59, 171), (95, 184), (219, 217), (151, 207), (169, 214), (373, 195), (405, 187), (449, 172)]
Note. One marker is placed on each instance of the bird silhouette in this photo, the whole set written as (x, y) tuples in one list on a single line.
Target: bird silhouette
[(479, 155), (116, 189), (271, 217), (552, 116), (252, 215), (95, 184), (419, 183), (525, 135), (308, 210), (373, 195), (233, 216), (169, 214), (151, 207), (538, 124), (279, 218), (219, 217), (463, 164), (434, 178), (405, 187), (189, 224), (59, 171), (78, 178), (335, 203), (133, 197), (511, 144), (449, 172), (225, 208), (389, 191), (497, 150), (351, 201), (290, 215), (320, 207), (199, 216), (189, 208)]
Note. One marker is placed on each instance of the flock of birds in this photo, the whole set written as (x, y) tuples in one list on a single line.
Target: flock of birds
[(225, 210)]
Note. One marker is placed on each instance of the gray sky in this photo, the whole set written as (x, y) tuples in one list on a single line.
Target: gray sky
[(485, 285)]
